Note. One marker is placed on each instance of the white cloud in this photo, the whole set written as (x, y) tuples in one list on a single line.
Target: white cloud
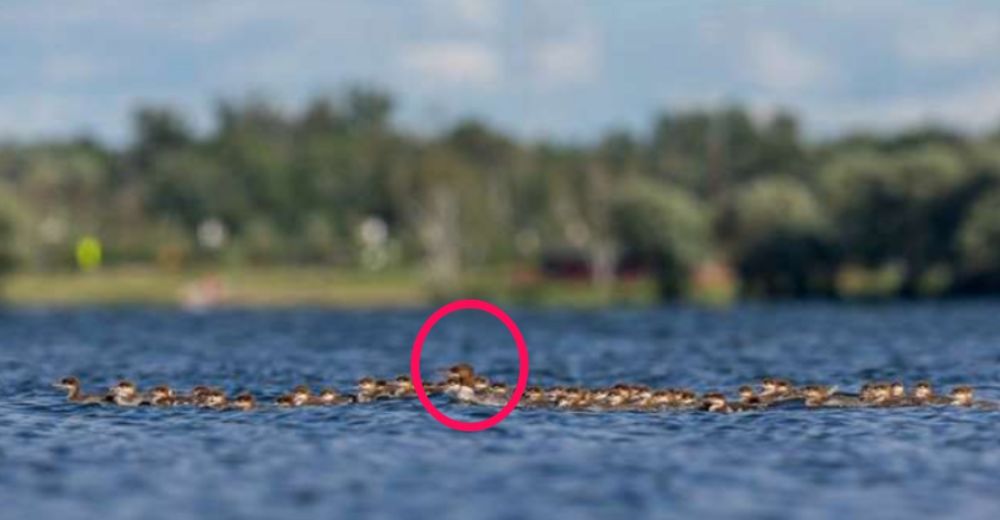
[(453, 63), (776, 62), (950, 39)]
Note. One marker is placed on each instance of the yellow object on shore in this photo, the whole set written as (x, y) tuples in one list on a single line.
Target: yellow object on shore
[(88, 253)]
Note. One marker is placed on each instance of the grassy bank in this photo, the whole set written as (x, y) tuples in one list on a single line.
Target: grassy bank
[(235, 287), (306, 286)]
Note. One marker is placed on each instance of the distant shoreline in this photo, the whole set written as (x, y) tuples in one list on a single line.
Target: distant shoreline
[(290, 287)]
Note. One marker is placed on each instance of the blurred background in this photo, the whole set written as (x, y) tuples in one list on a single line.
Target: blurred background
[(363, 153)]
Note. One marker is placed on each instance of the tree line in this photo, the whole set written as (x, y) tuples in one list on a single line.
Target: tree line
[(337, 183)]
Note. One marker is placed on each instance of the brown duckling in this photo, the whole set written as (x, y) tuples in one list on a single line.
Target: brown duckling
[(301, 395), (776, 390), (367, 389), (330, 397), (480, 385), (660, 400), (215, 399), (876, 394), (74, 392), (715, 402), (923, 394), (196, 397), (687, 399), (497, 394), (125, 393), (962, 396), (749, 400), (817, 395), (161, 395), (533, 396), (244, 402), (786, 390), (897, 395), (402, 387)]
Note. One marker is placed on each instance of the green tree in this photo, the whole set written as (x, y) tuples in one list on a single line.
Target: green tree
[(979, 239), (665, 227), (898, 206), (11, 218), (781, 239)]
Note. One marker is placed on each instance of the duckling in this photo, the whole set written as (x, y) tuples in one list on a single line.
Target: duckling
[(196, 397), (125, 393), (777, 390), (432, 388), (876, 394), (687, 399), (786, 390), (366, 389), (329, 397), (74, 392), (600, 398), (617, 398), (554, 394), (480, 385), (533, 397), (659, 400), (573, 399), (402, 387), (160, 396), (962, 396), (497, 394), (244, 402), (880, 394), (639, 395), (897, 395), (923, 394), (383, 390), (584, 400), (715, 402), (817, 395), (301, 395), (749, 400), (216, 399)]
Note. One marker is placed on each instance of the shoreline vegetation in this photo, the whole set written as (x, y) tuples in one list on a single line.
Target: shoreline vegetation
[(343, 288), (333, 202), (258, 287)]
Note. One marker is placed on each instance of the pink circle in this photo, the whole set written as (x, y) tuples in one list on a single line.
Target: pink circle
[(522, 355)]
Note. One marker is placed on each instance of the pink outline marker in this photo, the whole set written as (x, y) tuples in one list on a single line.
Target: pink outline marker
[(522, 355)]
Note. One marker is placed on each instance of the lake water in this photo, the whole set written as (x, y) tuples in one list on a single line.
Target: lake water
[(392, 460)]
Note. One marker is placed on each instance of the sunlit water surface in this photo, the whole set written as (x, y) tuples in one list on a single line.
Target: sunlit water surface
[(392, 460)]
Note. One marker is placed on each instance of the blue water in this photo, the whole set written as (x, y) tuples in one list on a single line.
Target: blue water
[(392, 460)]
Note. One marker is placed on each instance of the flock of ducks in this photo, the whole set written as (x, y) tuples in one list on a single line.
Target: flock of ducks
[(463, 384)]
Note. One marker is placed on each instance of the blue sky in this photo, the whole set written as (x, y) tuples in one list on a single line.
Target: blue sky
[(569, 69)]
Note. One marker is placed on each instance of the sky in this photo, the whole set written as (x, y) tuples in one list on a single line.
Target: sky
[(561, 69)]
